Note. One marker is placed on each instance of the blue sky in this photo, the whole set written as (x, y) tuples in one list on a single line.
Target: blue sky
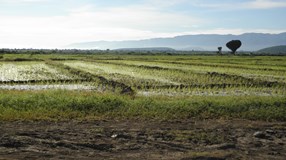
[(56, 23)]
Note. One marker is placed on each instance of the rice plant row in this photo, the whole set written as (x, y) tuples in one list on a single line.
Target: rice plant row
[(238, 79), (144, 78), (31, 72), (100, 81), (264, 75)]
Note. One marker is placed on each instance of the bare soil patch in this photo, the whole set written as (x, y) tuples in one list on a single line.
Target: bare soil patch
[(135, 139)]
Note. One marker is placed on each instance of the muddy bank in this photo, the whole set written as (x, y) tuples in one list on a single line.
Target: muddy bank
[(186, 140)]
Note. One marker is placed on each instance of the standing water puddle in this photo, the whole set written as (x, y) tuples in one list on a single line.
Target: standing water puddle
[(45, 87)]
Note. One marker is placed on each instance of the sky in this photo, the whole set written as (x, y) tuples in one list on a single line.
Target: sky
[(58, 23)]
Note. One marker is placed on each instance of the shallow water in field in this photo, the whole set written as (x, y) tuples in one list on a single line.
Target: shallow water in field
[(87, 87), (205, 93), (55, 86), (31, 71)]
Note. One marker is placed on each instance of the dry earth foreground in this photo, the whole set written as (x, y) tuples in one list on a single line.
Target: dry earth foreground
[(185, 140)]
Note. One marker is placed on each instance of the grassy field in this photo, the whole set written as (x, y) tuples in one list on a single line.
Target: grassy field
[(38, 87)]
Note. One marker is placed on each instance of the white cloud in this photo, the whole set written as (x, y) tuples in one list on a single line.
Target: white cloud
[(164, 3), (253, 4), (21, 1), (265, 4), (85, 24)]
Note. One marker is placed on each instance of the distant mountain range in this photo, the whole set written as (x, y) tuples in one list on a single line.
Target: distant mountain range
[(274, 50), (208, 42), (147, 49)]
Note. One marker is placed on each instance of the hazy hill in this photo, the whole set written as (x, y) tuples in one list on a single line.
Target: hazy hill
[(274, 50), (147, 49), (250, 42)]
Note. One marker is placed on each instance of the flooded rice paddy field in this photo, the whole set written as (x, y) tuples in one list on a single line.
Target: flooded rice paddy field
[(173, 76)]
